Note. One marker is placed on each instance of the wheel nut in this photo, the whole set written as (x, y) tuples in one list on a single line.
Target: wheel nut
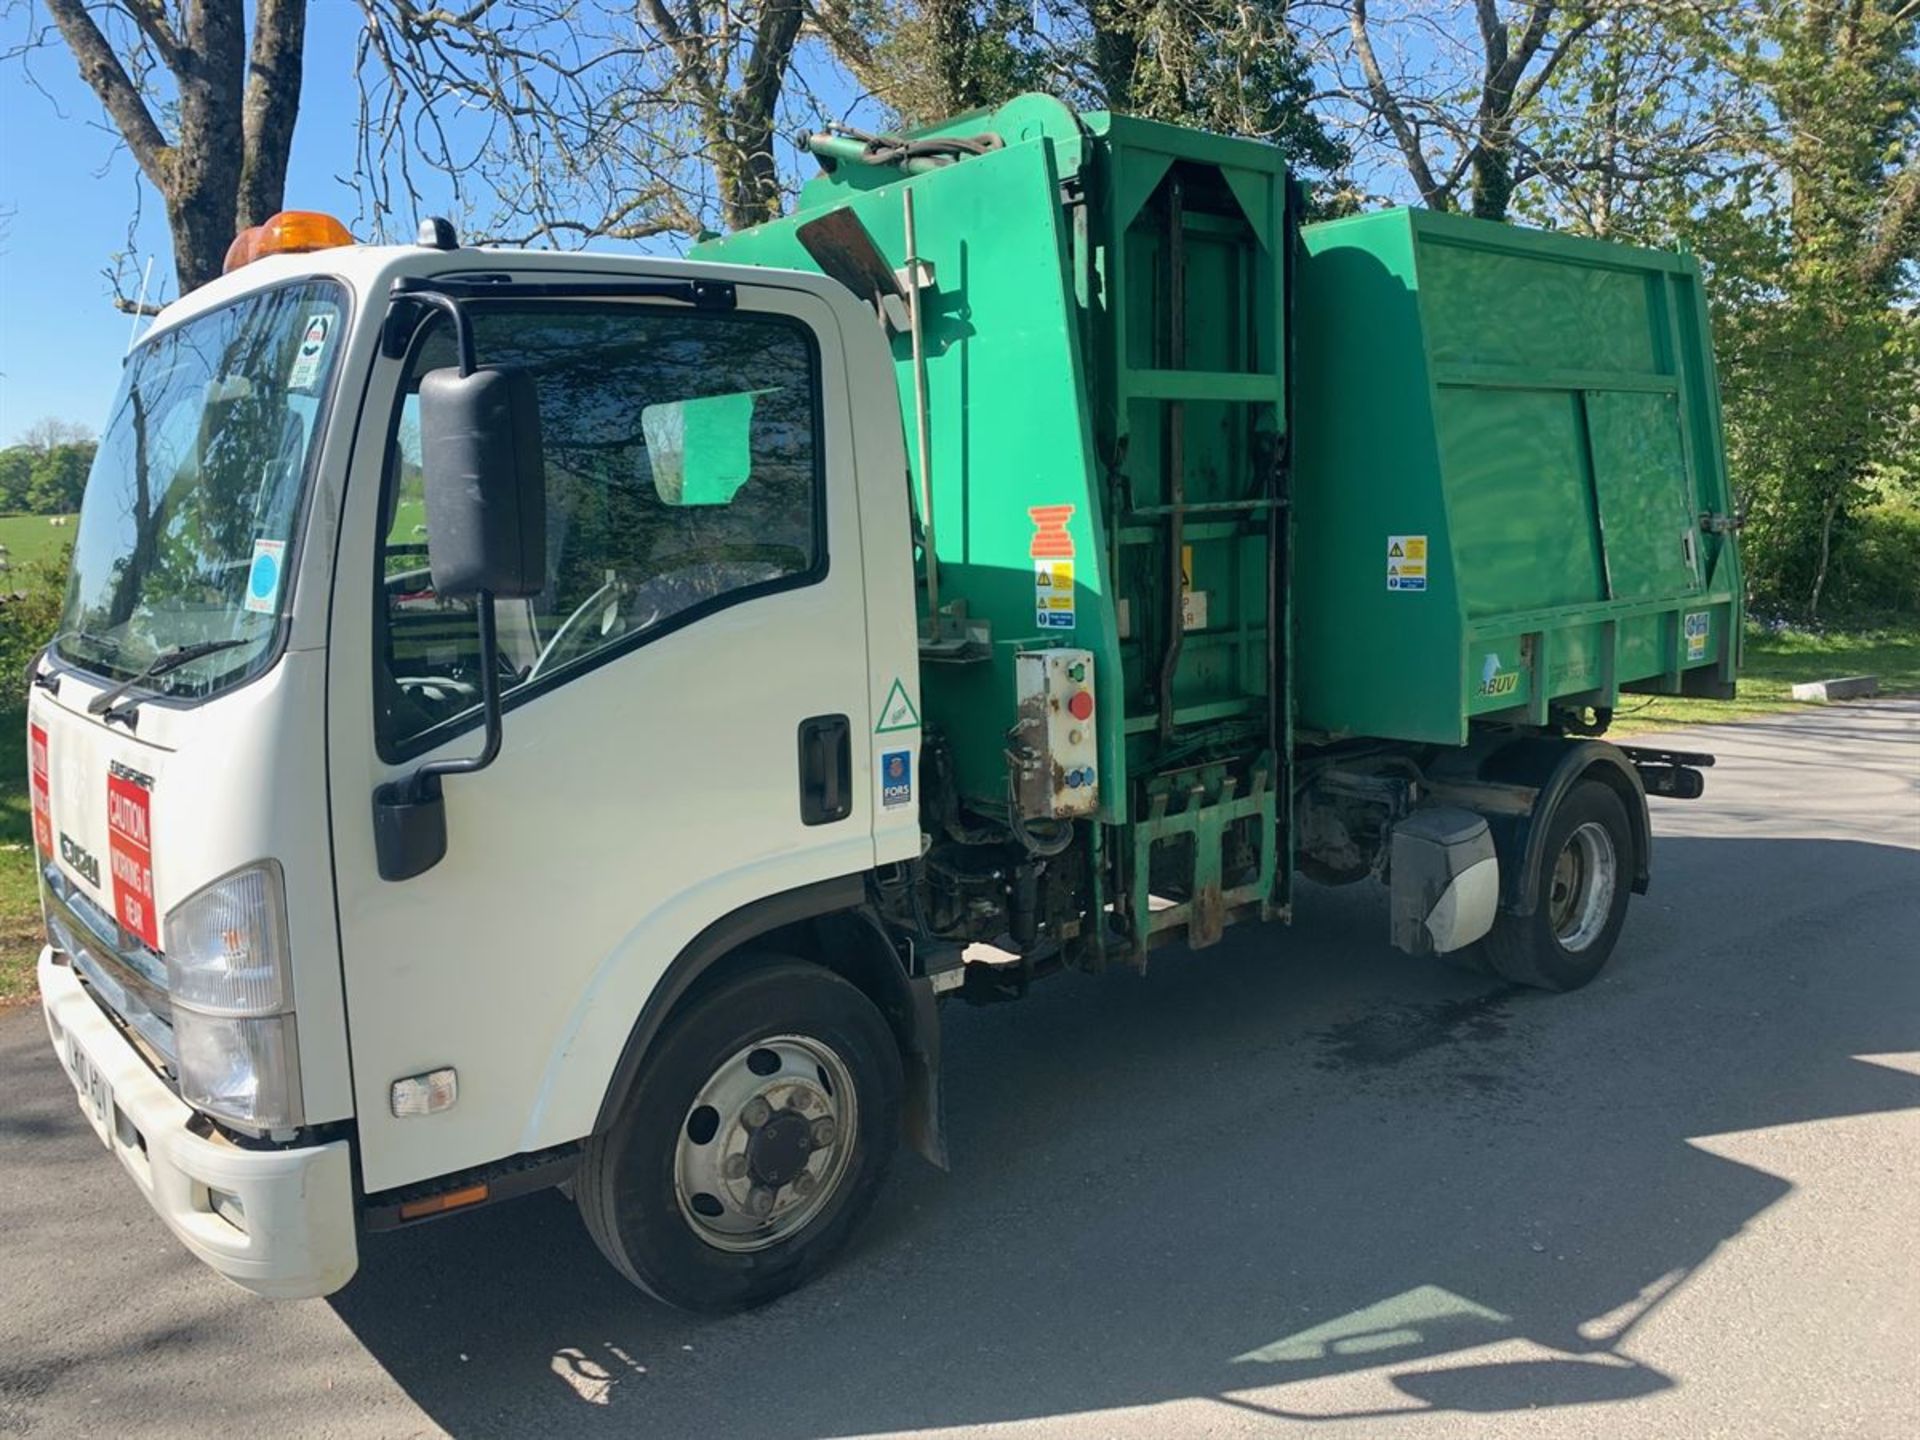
[(803, 1183), (756, 1113), (734, 1167), (800, 1099), (760, 1202), (823, 1131)]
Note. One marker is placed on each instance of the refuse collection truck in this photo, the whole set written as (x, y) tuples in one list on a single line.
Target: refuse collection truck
[(526, 719)]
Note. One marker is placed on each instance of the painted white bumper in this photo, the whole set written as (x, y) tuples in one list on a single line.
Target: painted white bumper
[(296, 1205)]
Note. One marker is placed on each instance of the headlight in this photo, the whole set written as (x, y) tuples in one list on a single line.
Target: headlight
[(233, 1025), (242, 1070)]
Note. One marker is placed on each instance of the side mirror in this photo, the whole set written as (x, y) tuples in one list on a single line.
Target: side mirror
[(486, 482), (486, 489)]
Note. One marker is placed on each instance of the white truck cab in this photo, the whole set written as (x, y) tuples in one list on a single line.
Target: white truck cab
[(292, 1009)]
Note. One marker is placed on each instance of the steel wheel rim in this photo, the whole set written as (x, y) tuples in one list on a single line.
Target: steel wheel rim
[(766, 1143), (1581, 886)]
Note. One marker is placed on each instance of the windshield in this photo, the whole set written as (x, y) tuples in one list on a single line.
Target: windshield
[(185, 530)]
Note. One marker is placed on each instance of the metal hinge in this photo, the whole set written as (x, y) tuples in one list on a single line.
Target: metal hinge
[(1717, 524)]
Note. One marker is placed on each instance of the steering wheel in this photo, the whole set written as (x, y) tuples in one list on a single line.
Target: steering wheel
[(576, 627), (580, 627)]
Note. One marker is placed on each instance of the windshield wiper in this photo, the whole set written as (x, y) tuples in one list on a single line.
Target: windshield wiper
[(160, 664)]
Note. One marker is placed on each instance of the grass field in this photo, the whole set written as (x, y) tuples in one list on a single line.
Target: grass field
[(30, 537), (19, 891), (1774, 661)]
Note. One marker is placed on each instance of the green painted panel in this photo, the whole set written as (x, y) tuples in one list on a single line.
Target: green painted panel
[(1575, 317), (1648, 520), (1520, 501), (1009, 427), (1542, 410)]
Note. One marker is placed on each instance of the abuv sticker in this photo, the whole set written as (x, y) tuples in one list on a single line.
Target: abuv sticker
[(263, 576), (313, 349)]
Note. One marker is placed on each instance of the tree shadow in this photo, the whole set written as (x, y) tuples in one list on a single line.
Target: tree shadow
[(1297, 1155)]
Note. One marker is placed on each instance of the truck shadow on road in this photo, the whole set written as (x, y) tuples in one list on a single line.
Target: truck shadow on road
[(1291, 1159)]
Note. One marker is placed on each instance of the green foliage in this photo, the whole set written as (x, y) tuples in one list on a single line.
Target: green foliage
[(29, 613), (58, 479), (45, 480), (1234, 66), (1780, 140), (16, 470)]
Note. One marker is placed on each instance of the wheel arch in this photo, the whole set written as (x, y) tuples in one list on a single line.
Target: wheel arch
[(1551, 767), (828, 923)]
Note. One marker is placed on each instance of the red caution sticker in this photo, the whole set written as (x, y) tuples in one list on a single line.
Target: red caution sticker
[(42, 792), (1051, 538), (130, 854)]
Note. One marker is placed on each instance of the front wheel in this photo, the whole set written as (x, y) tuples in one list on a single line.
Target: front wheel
[(754, 1143), (1586, 862)]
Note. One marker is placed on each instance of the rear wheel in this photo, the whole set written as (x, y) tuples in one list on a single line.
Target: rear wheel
[(1586, 864), (755, 1141)]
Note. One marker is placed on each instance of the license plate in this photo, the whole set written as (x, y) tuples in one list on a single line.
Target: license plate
[(96, 1096)]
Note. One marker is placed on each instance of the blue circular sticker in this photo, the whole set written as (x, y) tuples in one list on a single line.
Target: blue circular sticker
[(264, 580)]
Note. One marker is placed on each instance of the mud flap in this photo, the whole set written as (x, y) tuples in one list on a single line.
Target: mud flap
[(1444, 884)]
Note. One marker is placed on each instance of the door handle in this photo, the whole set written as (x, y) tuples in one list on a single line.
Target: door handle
[(826, 769)]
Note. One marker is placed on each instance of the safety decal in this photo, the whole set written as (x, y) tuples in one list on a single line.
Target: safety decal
[(1053, 594), (1193, 603), (313, 349), (263, 576), (1406, 562), (42, 791), (1698, 626), (896, 779), (1051, 538), (130, 853), (897, 712)]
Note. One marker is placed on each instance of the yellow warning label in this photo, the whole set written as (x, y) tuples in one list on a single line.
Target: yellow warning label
[(1406, 562), (1053, 594)]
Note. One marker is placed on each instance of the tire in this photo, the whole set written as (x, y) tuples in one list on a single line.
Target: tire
[(1586, 869), (728, 1109)]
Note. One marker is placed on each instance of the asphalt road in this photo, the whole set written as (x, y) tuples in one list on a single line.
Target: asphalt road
[(1297, 1182)]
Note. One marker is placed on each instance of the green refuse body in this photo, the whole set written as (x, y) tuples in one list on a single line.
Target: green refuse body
[(1538, 415), (1149, 440)]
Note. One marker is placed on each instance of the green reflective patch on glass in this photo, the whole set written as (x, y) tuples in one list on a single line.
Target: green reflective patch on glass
[(700, 449)]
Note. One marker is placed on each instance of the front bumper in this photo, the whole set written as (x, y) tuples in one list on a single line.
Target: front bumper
[(292, 1228)]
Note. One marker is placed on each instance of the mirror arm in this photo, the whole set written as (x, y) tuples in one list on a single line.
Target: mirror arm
[(410, 814), (462, 327), (425, 782)]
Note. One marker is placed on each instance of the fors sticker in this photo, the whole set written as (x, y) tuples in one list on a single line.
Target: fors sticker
[(896, 779)]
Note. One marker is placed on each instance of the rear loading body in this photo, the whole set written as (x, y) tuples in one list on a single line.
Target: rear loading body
[(1335, 513)]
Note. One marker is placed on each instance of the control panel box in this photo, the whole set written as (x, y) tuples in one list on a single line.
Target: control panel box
[(1056, 775)]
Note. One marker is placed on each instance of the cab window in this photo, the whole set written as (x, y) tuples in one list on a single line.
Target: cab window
[(683, 476)]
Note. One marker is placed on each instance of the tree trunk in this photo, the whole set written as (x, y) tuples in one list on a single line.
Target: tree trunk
[(750, 185), (953, 39), (1116, 52), (272, 103), (225, 166), (1492, 174), (1827, 512)]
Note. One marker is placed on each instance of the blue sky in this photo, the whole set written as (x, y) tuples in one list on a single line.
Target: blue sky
[(67, 188)]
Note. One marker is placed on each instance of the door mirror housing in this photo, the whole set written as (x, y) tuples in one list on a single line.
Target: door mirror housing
[(486, 490), (485, 479)]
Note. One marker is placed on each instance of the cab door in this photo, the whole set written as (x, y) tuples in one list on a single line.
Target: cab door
[(688, 701)]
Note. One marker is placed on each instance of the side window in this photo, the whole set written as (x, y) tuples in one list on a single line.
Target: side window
[(683, 475)]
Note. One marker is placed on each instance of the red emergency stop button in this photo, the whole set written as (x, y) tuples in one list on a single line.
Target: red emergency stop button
[(1080, 704)]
